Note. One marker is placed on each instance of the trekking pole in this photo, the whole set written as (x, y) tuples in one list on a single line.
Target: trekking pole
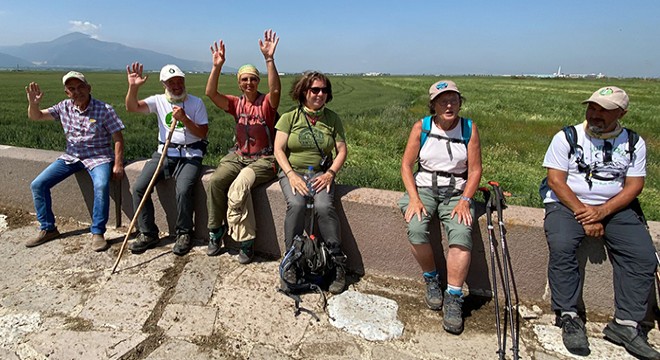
[(492, 241), (146, 194), (507, 272)]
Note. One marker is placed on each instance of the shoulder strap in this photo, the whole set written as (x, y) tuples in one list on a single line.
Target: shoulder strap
[(466, 130), (571, 137), (426, 129), (633, 138)]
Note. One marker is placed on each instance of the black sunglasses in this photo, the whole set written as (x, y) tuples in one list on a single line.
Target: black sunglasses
[(316, 90)]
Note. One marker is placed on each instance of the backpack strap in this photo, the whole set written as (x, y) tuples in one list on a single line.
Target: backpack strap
[(466, 130), (426, 130), (633, 138)]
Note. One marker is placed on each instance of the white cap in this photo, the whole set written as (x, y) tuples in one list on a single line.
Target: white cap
[(169, 71), (73, 75)]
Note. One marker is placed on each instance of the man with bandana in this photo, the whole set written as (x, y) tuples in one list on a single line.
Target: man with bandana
[(592, 191), (252, 162), (183, 159)]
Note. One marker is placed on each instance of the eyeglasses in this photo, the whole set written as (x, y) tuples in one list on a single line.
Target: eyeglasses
[(607, 152), (250, 79), (453, 102), (317, 90)]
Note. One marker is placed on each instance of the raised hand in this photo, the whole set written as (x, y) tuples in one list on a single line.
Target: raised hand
[(34, 93), (134, 72), (269, 43), (218, 52)]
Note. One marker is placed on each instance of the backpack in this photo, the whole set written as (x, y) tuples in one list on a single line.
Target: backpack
[(466, 132), (310, 259), (575, 149)]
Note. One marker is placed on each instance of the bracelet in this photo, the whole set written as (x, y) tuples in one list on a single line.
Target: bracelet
[(270, 59), (287, 172), (469, 200), (334, 174)]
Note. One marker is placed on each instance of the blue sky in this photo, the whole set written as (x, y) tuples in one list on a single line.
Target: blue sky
[(616, 38)]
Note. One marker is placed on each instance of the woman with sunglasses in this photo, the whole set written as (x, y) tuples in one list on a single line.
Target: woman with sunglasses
[(252, 163), (305, 138), (447, 150)]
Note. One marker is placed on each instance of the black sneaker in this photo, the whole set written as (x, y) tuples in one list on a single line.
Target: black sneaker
[(215, 240), (433, 293), (142, 243), (452, 316), (183, 244), (574, 335), (632, 338), (246, 253)]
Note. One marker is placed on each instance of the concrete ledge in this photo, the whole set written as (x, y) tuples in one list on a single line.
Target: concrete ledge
[(373, 231)]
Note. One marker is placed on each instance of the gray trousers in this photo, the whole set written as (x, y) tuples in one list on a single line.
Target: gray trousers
[(631, 253), (186, 172), (294, 222)]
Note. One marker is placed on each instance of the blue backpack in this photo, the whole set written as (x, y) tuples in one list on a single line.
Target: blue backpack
[(466, 132)]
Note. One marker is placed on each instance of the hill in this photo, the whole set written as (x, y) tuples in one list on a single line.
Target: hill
[(80, 51)]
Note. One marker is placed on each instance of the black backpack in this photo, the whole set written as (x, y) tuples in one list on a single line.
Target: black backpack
[(310, 259)]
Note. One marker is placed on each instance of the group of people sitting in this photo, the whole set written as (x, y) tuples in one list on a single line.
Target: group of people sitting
[(591, 191)]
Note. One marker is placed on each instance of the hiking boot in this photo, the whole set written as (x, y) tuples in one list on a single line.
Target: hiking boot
[(632, 338), (142, 243), (215, 240), (452, 317), (433, 293), (339, 283), (42, 237), (246, 253), (183, 244), (99, 243), (574, 335)]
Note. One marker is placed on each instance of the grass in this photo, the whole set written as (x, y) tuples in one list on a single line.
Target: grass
[(517, 118)]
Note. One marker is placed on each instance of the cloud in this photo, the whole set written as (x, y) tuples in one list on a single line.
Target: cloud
[(85, 27)]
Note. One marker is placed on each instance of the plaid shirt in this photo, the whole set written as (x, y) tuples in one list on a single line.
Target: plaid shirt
[(89, 132)]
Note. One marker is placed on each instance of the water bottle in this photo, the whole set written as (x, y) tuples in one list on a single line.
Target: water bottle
[(308, 175)]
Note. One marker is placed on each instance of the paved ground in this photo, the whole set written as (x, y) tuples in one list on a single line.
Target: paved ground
[(59, 301)]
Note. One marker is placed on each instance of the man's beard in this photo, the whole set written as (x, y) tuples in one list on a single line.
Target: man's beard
[(175, 98)]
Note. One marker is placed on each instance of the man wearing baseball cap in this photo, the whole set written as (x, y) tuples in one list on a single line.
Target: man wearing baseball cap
[(90, 127), (596, 171), (183, 156)]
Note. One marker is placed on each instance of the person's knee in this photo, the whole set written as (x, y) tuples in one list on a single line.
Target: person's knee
[(36, 185)]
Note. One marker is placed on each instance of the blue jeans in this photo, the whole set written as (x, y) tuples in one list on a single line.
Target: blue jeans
[(56, 173)]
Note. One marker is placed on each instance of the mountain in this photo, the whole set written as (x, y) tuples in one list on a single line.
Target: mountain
[(13, 62), (80, 51)]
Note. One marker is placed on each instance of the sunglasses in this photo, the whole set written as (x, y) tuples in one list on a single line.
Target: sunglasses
[(317, 90)]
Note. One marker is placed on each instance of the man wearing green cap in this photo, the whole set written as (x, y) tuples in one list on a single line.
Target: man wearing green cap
[(596, 171), (252, 163)]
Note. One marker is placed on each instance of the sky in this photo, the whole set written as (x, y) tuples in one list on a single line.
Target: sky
[(503, 37)]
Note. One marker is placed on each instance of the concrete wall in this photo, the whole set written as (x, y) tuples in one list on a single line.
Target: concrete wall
[(373, 230)]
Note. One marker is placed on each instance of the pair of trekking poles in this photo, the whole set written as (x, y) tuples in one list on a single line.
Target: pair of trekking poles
[(500, 261)]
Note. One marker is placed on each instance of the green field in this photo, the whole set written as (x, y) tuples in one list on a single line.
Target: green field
[(516, 117)]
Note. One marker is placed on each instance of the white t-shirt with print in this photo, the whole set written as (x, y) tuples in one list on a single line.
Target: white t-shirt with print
[(607, 177), (195, 110)]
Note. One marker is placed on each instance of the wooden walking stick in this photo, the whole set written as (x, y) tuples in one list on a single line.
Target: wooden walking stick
[(147, 193)]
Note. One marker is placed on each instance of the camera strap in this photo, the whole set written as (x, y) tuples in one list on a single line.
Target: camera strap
[(313, 137)]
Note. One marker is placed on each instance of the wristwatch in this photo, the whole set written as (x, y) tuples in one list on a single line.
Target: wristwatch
[(469, 200)]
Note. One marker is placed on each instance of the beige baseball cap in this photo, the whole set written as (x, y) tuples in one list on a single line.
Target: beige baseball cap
[(169, 71), (442, 86), (610, 98), (73, 75)]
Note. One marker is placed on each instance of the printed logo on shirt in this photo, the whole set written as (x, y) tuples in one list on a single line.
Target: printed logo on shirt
[(306, 139), (168, 121)]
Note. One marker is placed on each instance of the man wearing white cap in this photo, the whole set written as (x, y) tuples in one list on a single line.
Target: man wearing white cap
[(184, 154), (596, 171), (90, 127)]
